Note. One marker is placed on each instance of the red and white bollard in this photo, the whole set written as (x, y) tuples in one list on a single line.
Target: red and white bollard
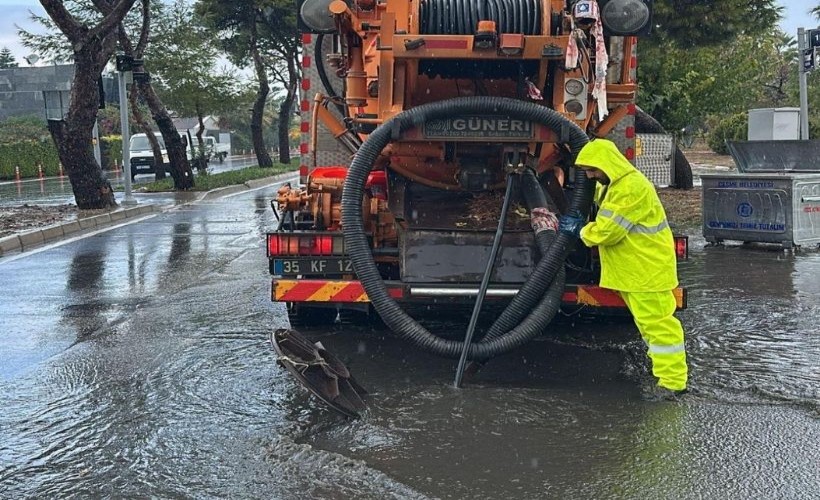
[(60, 169), (17, 173), (40, 173)]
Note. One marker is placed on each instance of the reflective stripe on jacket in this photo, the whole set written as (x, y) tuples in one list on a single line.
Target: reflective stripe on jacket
[(635, 242)]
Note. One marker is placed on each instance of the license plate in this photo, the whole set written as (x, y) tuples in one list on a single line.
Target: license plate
[(284, 267)]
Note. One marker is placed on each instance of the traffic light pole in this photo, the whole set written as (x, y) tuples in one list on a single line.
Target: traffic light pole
[(802, 46), (95, 137), (126, 135)]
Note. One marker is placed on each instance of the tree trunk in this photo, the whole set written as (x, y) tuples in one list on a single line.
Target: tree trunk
[(72, 136), (92, 47), (285, 110), (201, 155), (200, 129), (156, 149), (179, 167), (284, 123), (262, 156)]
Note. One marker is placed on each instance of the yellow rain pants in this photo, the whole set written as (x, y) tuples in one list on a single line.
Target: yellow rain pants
[(663, 334)]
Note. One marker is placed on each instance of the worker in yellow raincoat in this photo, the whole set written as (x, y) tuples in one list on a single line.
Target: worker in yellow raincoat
[(637, 256)]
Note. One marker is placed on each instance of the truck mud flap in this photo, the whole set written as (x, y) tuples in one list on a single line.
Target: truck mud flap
[(319, 371)]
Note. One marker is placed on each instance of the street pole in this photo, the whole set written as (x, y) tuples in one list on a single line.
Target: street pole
[(126, 157), (95, 132), (802, 45)]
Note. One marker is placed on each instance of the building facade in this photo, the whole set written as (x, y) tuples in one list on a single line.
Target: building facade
[(21, 89)]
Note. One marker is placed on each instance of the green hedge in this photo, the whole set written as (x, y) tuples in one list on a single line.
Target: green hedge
[(814, 127), (729, 128), (111, 151), (28, 155)]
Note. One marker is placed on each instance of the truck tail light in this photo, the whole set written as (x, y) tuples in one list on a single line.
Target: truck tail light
[(682, 247), (289, 244), (317, 245)]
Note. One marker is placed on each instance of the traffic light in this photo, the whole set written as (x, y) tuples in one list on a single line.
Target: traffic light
[(809, 59), (127, 63), (142, 77), (124, 62)]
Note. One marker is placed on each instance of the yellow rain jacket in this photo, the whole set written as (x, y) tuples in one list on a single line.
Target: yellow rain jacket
[(633, 237)]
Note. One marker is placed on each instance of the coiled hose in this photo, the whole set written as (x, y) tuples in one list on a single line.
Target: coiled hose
[(461, 17), (532, 292), (359, 249)]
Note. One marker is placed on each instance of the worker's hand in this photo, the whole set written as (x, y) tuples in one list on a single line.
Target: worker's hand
[(571, 224)]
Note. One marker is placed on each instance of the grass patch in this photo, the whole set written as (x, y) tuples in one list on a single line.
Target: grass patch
[(206, 182)]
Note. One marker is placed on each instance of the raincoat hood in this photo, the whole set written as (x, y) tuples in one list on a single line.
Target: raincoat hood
[(604, 155)]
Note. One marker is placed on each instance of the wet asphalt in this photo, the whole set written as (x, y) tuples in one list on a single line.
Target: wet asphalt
[(57, 190), (135, 363)]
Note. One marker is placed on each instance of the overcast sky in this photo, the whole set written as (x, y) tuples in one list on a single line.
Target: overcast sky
[(16, 13)]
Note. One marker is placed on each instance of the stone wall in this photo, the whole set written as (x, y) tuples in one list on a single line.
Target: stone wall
[(21, 89)]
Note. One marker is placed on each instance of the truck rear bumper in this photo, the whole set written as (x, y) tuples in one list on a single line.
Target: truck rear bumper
[(351, 291)]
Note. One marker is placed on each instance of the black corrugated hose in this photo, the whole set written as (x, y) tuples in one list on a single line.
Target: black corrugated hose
[(319, 61), (551, 264), (532, 292), (461, 17)]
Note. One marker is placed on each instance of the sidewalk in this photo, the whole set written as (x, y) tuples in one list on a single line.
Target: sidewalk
[(147, 204)]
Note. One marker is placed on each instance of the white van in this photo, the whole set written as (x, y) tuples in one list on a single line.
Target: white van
[(142, 156)]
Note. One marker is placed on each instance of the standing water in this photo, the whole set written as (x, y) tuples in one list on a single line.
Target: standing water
[(136, 363)]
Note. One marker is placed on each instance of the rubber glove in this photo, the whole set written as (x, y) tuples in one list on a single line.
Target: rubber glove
[(571, 224)]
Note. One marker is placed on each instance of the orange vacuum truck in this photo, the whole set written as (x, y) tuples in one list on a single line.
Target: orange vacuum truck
[(439, 138)]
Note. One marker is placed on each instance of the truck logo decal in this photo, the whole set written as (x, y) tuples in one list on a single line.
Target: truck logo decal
[(744, 209), (478, 127)]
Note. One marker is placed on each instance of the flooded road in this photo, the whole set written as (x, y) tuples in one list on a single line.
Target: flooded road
[(58, 191), (136, 363)]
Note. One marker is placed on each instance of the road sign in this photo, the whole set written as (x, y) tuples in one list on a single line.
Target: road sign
[(808, 60), (814, 38)]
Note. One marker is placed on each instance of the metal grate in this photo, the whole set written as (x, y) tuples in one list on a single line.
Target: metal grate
[(655, 157), (330, 151)]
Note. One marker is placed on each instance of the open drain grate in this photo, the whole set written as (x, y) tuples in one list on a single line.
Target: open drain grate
[(319, 371)]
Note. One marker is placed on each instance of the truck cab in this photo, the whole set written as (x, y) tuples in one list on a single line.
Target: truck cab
[(215, 149)]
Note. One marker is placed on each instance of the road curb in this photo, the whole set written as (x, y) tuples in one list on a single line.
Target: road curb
[(28, 239), (23, 241), (251, 184)]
